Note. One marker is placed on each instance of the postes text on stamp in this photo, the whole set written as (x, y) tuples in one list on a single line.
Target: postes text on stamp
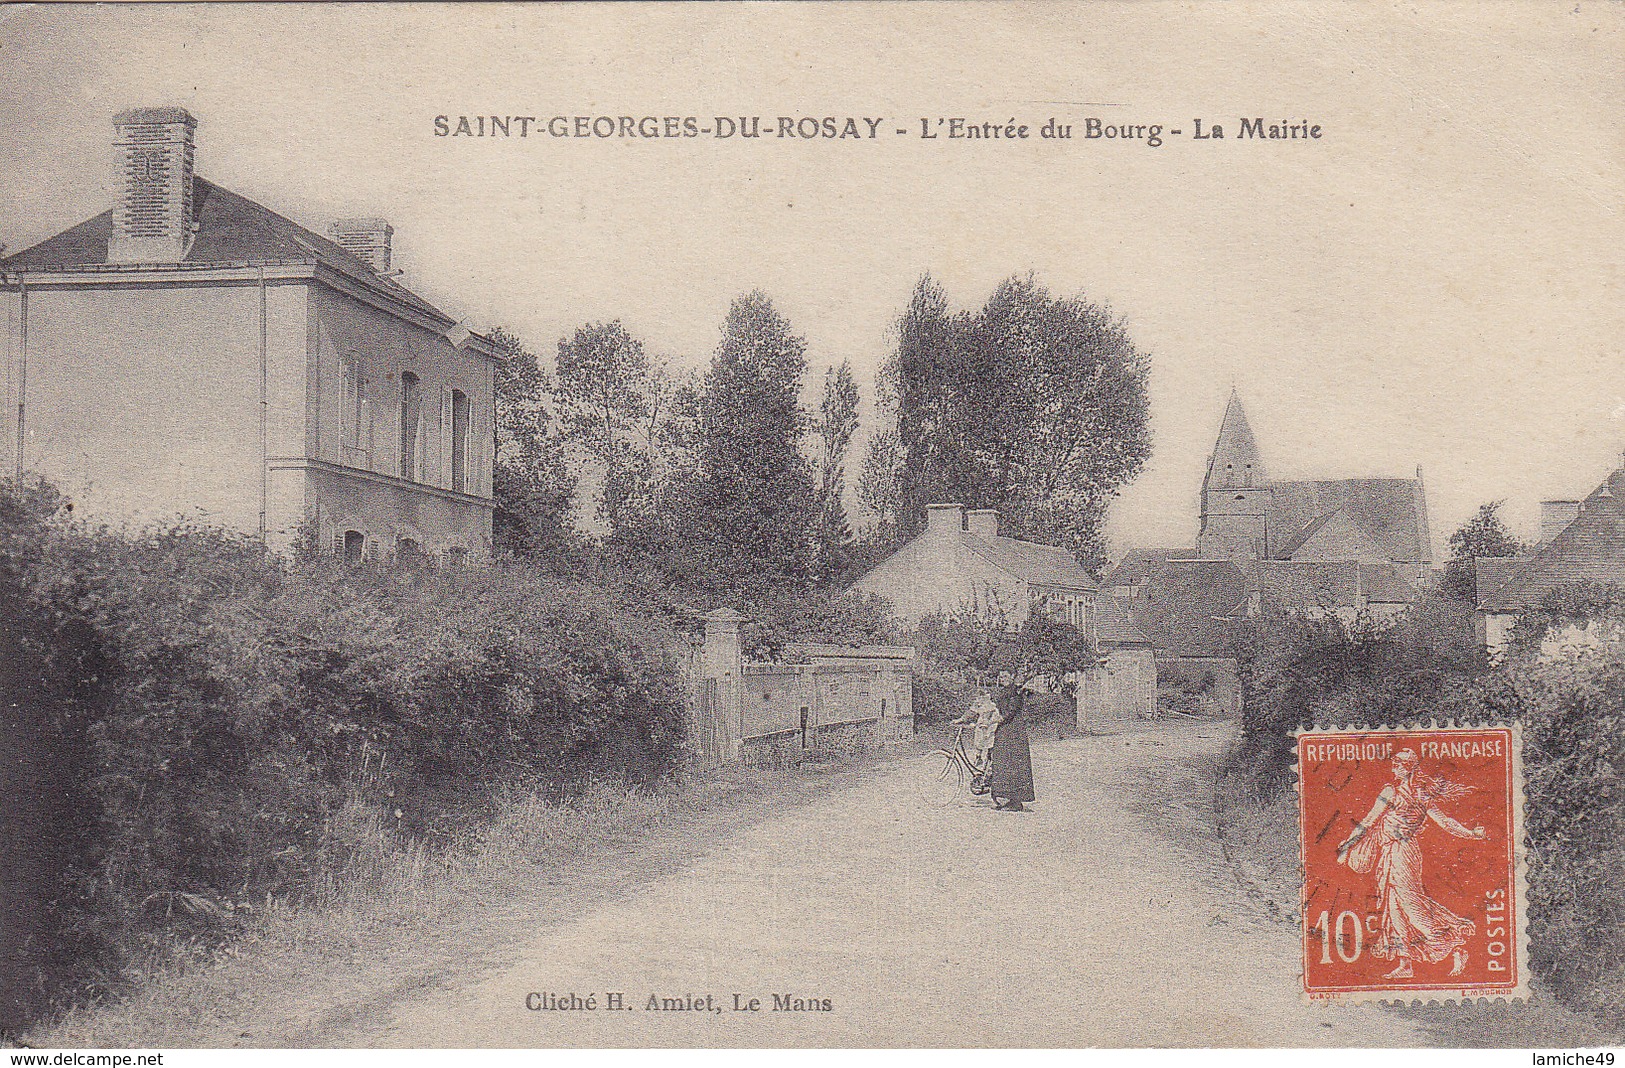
[(1412, 848)]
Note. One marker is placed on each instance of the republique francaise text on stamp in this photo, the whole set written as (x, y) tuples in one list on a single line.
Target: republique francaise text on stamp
[(1413, 854)]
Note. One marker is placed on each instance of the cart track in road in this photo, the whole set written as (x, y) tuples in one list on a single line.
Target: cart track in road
[(1104, 916)]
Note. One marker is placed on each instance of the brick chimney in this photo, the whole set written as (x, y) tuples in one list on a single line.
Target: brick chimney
[(366, 238), (152, 208), (983, 521), (944, 517), (1554, 516)]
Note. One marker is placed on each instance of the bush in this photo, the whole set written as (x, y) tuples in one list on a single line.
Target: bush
[(1573, 713), (1300, 672), (1320, 673), (209, 709)]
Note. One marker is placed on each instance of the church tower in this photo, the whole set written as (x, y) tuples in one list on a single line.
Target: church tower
[(1235, 492)]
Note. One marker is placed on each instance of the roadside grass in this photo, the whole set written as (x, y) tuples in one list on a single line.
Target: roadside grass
[(393, 916)]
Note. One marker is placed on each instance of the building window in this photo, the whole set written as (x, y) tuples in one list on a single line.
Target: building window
[(353, 546), (459, 441), (356, 417), (411, 418)]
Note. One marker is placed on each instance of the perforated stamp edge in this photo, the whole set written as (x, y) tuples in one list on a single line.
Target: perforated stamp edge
[(1446, 995)]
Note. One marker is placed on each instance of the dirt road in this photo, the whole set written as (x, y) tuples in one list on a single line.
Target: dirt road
[(1104, 916)]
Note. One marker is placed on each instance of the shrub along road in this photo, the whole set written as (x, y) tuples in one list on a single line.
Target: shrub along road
[(1106, 915)]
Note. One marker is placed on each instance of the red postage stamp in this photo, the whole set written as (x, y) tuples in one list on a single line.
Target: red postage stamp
[(1412, 848)]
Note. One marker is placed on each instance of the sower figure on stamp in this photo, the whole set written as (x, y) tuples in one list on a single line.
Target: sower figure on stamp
[(1010, 775), (1414, 924)]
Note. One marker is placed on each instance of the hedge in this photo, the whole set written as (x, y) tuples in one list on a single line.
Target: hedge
[(203, 709), (1424, 667)]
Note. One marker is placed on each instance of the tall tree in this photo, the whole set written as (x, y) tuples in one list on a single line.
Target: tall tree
[(530, 479), (1034, 405), (746, 513), (1484, 535), (611, 399), (837, 421)]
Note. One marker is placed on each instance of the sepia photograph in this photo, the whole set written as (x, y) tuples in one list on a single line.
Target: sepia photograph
[(985, 525)]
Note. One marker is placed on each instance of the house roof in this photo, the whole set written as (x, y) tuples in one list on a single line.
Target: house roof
[(1390, 511), (1386, 584), (231, 229), (1138, 564), (1295, 586), (1490, 574), (1189, 607), (1590, 549), (1034, 564), (1115, 623)]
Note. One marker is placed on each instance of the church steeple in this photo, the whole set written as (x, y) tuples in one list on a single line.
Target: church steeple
[(1235, 491), (1235, 462)]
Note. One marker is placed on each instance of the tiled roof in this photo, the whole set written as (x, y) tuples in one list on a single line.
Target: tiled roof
[(1390, 511), (1309, 530), (1137, 564), (1294, 586), (1590, 549), (1490, 574), (1034, 564), (1189, 605), (1386, 584), (231, 230), (1115, 623)]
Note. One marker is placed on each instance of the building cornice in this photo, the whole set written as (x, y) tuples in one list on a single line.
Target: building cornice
[(131, 274), (98, 275), (306, 463)]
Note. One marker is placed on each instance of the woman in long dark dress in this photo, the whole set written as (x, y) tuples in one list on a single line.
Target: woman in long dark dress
[(1010, 778)]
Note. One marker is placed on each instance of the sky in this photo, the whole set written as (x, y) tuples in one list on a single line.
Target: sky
[(1433, 282)]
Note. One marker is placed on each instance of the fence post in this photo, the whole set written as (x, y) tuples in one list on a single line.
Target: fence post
[(721, 659)]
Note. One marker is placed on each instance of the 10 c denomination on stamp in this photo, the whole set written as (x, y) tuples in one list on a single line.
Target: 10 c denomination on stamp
[(1412, 848)]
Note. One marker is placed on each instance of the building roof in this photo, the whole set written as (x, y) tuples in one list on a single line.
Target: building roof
[(1301, 586), (1034, 564), (1115, 623), (1189, 609), (1310, 529), (1490, 573), (1139, 564), (1390, 511), (1590, 549), (1386, 584), (1236, 460), (231, 229)]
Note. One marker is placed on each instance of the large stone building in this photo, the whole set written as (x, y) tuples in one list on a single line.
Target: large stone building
[(1323, 547), (190, 353), (1246, 516)]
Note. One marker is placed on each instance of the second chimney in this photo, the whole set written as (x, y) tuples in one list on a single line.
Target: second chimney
[(941, 518), (364, 238), (1554, 516), (983, 521), (152, 208)]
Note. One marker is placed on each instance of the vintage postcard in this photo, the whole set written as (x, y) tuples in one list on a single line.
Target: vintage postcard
[(891, 525)]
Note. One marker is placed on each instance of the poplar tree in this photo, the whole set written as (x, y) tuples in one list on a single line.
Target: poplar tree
[(745, 514)]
